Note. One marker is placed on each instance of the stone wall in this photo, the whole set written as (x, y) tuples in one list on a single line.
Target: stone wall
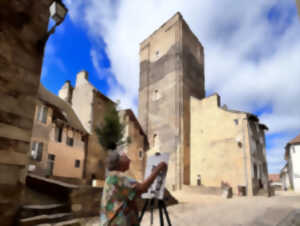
[(137, 149), (218, 145), (22, 24), (171, 69)]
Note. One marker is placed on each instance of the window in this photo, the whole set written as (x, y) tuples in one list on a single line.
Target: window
[(141, 154), (31, 168), (70, 141), (236, 121), (157, 53), (58, 134), (51, 157), (156, 143), (293, 148), (42, 114), (77, 163), (50, 164), (37, 151), (156, 95)]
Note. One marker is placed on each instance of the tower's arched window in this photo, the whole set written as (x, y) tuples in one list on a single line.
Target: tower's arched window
[(141, 154), (156, 95), (156, 142)]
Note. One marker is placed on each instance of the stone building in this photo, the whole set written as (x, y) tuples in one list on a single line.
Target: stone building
[(171, 70), (173, 116), (90, 105), (227, 146), (58, 138), (22, 24), (137, 148)]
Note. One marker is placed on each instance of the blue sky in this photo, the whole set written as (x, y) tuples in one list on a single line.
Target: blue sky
[(252, 52)]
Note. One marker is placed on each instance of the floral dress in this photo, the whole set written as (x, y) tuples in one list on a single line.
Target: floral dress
[(118, 205)]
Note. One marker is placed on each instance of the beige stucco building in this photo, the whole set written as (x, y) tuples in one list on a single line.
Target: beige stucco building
[(205, 141), (58, 138), (227, 146)]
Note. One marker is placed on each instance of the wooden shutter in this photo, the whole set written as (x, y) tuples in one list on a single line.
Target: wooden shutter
[(40, 151), (45, 112)]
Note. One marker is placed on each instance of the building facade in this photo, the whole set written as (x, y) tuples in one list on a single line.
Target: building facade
[(90, 105), (227, 146), (58, 138), (171, 70), (22, 24), (292, 156), (138, 145)]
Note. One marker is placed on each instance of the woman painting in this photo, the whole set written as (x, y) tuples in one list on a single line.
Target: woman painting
[(118, 207)]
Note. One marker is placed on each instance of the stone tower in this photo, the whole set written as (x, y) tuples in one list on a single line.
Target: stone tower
[(171, 70)]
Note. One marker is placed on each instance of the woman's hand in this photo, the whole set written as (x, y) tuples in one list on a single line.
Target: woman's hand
[(143, 187), (162, 166)]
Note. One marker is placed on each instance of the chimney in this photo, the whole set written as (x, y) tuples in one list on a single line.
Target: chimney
[(66, 92), (82, 78)]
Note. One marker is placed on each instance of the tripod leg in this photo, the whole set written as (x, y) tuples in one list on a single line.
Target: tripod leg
[(166, 212), (152, 207), (161, 216), (143, 211)]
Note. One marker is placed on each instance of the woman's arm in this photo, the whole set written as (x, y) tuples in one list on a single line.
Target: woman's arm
[(143, 187)]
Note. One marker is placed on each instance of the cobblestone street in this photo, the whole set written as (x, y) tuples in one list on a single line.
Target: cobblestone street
[(282, 210)]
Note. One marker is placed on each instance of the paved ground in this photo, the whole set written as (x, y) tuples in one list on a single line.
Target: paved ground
[(194, 209)]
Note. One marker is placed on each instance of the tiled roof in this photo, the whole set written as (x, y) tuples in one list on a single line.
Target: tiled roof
[(296, 140), (274, 177), (62, 106)]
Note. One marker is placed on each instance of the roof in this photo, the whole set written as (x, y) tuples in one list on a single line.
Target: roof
[(61, 107), (166, 23), (274, 177), (295, 140)]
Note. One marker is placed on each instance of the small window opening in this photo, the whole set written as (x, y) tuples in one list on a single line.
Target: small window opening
[(58, 134), (141, 155), (70, 141), (236, 121), (77, 163)]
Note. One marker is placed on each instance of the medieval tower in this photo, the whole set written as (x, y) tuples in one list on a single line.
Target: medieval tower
[(171, 70)]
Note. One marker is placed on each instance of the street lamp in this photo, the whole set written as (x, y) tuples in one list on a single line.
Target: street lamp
[(58, 11)]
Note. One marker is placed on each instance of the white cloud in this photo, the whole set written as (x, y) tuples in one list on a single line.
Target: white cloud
[(250, 61)]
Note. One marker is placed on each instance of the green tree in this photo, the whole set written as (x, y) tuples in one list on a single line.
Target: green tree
[(110, 133)]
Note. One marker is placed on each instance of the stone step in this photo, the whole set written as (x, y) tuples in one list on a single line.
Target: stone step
[(43, 219), (28, 211), (74, 222)]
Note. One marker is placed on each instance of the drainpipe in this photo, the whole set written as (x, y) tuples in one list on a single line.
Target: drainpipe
[(245, 156)]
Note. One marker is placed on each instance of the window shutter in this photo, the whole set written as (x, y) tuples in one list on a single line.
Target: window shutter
[(34, 150), (39, 113), (45, 111), (40, 151)]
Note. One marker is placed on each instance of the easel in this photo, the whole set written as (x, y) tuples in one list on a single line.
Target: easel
[(162, 209), (161, 206)]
